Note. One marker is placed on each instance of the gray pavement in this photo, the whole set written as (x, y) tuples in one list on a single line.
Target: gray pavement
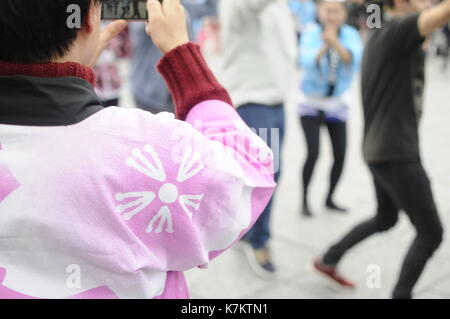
[(297, 240)]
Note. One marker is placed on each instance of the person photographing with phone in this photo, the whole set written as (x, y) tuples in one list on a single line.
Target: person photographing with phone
[(126, 199)]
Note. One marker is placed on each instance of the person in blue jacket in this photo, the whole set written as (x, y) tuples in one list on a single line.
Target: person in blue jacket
[(330, 54)]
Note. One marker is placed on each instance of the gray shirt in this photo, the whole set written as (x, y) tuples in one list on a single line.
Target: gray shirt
[(259, 50)]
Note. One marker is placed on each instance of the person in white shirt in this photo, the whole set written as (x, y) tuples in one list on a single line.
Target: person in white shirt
[(259, 40)]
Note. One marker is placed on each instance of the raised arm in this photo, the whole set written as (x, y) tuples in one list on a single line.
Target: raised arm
[(331, 38), (433, 18)]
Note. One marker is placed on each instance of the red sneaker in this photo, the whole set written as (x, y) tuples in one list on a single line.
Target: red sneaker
[(332, 275)]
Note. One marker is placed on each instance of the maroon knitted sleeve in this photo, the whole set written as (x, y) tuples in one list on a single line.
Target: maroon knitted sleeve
[(189, 79)]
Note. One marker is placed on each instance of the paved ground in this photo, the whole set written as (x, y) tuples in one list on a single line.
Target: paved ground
[(296, 240)]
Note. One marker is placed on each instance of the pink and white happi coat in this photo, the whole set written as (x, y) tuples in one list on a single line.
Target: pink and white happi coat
[(120, 204)]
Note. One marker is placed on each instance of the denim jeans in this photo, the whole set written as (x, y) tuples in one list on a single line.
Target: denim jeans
[(268, 121)]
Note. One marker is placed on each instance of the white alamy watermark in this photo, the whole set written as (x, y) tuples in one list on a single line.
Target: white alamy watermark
[(373, 280), (244, 144), (373, 20), (374, 16), (73, 280), (74, 19)]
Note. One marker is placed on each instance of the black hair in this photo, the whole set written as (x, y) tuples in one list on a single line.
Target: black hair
[(36, 31)]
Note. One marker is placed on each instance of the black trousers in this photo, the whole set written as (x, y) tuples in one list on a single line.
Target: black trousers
[(399, 186), (338, 135)]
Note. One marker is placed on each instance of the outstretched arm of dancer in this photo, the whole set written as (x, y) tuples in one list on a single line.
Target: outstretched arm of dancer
[(434, 18)]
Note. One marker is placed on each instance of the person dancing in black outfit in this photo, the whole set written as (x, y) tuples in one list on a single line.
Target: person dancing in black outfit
[(392, 90)]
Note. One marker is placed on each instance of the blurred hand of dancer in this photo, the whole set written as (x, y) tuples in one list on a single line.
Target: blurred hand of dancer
[(111, 31), (330, 36), (167, 24), (331, 39)]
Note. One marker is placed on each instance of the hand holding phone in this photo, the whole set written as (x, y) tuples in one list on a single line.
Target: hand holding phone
[(167, 24), (107, 34)]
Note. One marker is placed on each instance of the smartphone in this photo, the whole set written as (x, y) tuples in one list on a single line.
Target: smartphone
[(124, 9)]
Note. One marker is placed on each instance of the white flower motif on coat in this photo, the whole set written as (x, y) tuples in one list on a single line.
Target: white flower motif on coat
[(149, 163)]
